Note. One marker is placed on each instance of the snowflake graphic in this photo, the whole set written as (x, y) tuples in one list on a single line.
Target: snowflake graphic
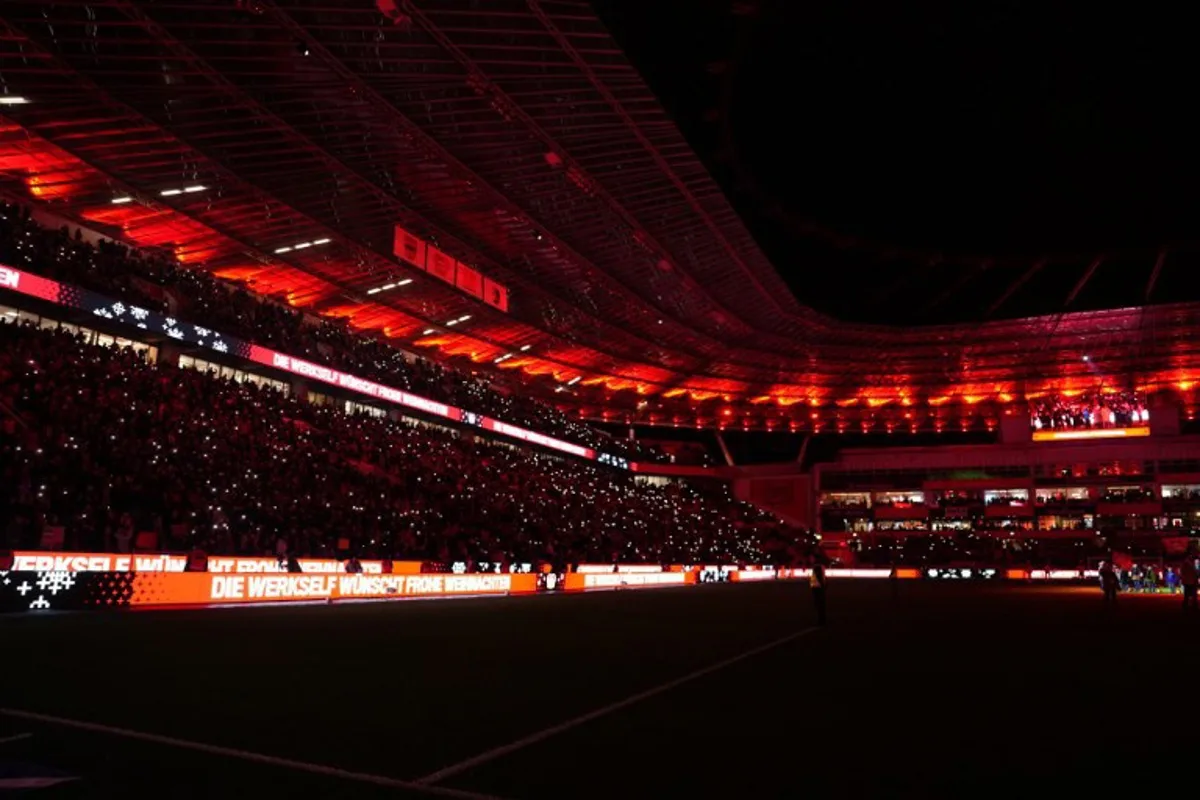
[(203, 333), (54, 581), (41, 602), (175, 333), (119, 308), (220, 346), (102, 312), (170, 322)]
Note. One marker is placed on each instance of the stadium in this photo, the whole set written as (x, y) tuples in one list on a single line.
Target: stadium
[(444, 398)]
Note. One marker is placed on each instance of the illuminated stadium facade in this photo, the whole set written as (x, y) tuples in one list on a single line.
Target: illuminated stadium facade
[(501, 185)]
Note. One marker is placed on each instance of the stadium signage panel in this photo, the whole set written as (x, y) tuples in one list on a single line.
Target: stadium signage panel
[(120, 312), (836, 572), (96, 562), (1062, 574), (414, 250), (260, 565), (206, 589), (747, 575), (353, 383), (960, 573), (1091, 433), (37, 591), (143, 319), (31, 561), (487, 423), (577, 581), (624, 568), (40, 590)]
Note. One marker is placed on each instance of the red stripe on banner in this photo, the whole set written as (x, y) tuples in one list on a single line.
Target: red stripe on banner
[(32, 285)]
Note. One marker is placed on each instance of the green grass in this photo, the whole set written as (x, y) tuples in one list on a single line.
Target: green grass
[(947, 689)]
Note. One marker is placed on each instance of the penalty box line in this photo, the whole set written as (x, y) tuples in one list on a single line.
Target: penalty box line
[(575, 722), (245, 755)]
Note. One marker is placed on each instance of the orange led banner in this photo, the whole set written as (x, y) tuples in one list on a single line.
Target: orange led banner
[(580, 581), (203, 589), (836, 572), (745, 575), (34, 561), (1090, 433)]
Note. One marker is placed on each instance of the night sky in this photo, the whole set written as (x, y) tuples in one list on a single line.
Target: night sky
[(913, 164)]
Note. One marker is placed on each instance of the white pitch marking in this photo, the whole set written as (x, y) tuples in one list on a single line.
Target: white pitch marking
[(562, 727), (32, 783), (16, 738), (244, 755)]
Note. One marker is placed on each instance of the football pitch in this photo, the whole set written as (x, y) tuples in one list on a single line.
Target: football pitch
[(939, 689)]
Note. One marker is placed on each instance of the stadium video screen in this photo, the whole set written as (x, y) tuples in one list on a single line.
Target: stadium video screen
[(960, 574), (1096, 414)]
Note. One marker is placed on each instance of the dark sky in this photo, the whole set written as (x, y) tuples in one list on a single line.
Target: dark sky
[(912, 163)]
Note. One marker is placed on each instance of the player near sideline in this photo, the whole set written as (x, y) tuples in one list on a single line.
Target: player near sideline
[(816, 582), (1108, 582), (1189, 578)]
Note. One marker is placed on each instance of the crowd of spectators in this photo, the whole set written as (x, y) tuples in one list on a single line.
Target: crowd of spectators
[(1010, 499), (110, 450), (1101, 409), (900, 500), (159, 283), (972, 549), (1181, 493), (1061, 497), (1129, 494)]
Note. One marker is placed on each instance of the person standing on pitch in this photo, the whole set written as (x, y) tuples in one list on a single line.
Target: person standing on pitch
[(816, 582), (1189, 578), (1108, 583)]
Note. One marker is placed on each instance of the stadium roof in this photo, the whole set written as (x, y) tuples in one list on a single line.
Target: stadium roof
[(517, 137)]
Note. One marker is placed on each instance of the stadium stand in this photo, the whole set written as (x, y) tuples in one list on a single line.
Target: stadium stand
[(115, 450), (160, 283)]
